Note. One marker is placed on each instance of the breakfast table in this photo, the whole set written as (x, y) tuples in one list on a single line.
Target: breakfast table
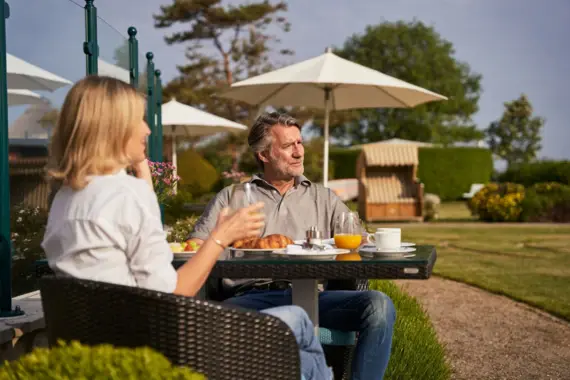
[(305, 273)]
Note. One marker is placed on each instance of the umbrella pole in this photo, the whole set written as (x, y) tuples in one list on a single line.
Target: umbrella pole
[(326, 142), (174, 159)]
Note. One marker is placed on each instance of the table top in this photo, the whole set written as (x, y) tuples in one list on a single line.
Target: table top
[(388, 267)]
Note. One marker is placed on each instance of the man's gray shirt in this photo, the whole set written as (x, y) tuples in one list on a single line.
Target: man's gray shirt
[(305, 205)]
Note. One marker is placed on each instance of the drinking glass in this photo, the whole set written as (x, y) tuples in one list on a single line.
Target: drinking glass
[(348, 231), (243, 195)]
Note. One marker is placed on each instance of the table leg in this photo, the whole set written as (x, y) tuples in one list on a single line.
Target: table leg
[(305, 294)]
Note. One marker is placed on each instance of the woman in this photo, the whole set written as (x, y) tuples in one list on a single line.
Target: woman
[(105, 225)]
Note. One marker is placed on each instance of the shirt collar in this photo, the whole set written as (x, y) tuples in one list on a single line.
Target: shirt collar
[(300, 180)]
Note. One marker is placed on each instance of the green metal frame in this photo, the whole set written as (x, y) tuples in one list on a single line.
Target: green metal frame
[(133, 57), (90, 46), (5, 240), (158, 111), (150, 109)]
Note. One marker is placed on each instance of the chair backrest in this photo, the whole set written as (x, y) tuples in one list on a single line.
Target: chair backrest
[(221, 342)]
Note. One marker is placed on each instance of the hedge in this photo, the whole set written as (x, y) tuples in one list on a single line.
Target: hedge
[(538, 172), (344, 162), (447, 172), (197, 175)]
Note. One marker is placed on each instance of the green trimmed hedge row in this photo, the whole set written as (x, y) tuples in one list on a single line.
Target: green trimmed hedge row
[(538, 172), (447, 172)]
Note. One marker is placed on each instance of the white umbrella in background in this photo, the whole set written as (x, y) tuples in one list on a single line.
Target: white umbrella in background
[(329, 82), (23, 75), (179, 119), (22, 97)]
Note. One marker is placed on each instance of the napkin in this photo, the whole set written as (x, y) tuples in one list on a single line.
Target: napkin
[(295, 248)]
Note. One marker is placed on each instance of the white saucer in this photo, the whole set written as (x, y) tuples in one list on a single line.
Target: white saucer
[(324, 241), (398, 251)]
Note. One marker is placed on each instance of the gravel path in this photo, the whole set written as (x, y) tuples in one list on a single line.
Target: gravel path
[(492, 337)]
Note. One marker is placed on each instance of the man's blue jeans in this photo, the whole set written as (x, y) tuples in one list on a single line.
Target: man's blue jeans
[(370, 313), (313, 362)]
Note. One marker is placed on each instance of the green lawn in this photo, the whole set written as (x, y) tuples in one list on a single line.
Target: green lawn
[(525, 262), (450, 211)]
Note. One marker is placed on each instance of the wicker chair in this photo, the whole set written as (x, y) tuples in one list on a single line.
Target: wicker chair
[(221, 342)]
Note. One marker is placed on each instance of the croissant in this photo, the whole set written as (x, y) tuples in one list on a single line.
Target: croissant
[(275, 241)]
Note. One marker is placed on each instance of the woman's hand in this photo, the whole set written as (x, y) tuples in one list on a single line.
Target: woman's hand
[(245, 223), (142, 171)]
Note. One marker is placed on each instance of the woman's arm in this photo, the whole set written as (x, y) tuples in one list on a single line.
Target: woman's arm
[(247, 222)]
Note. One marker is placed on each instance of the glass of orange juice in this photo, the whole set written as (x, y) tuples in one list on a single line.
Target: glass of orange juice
[(347, 231)]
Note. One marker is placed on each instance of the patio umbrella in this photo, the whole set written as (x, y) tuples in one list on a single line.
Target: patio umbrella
[(179, 119), (114, 71), (22, 97), (23, 75), (329, 82)]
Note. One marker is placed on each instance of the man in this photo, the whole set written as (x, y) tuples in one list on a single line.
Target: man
[(292, 205)]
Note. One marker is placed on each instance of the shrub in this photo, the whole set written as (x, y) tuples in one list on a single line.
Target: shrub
[(314, 161), (431, 206), (75, 361), (449, 172), (197, 175), (546, 202), (181, 229), (174, 209), (538, 172), (344, 162), (416, 352), (498, 202)]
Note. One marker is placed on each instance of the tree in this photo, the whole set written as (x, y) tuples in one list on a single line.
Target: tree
[(224, 43), (415, 53), (515, 137)]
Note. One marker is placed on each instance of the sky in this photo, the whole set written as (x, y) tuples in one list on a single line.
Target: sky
[(517, 45)]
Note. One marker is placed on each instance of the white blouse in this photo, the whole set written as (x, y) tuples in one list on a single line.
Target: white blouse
[(110, 231)]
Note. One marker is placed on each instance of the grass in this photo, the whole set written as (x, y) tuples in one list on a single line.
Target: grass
[(455, 211), (416, 352), (527, 263)]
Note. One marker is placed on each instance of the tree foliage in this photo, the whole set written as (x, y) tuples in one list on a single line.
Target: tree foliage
[(415, 53), (224, 43), (515, 137)]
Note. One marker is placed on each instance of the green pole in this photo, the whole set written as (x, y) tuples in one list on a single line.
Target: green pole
[(133, 56), (159, 139), (151, 102), (90, 46), (158, 97), (5, 241)]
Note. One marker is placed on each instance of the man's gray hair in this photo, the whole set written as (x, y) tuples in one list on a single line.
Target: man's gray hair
[(259, 138)]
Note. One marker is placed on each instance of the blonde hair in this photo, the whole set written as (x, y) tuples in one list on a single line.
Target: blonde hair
[(96, 121)]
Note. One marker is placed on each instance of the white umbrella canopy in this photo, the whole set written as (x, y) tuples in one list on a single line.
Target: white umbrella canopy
[(179, 119), (23, 97), (23, 75), (329, 82)]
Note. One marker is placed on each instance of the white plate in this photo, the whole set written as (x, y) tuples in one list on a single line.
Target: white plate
[(247, 250), (313, 255), (376, 251), (184, 255)]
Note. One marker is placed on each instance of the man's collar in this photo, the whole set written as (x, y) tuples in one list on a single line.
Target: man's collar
[(300, 180)]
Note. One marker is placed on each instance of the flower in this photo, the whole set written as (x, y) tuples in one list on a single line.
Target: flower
[(164, 179)]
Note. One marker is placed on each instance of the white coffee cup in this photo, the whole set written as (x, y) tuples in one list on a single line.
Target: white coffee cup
[(386, 238)]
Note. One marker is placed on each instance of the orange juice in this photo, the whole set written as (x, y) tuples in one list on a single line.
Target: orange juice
[(355, 256), (347, 241)]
